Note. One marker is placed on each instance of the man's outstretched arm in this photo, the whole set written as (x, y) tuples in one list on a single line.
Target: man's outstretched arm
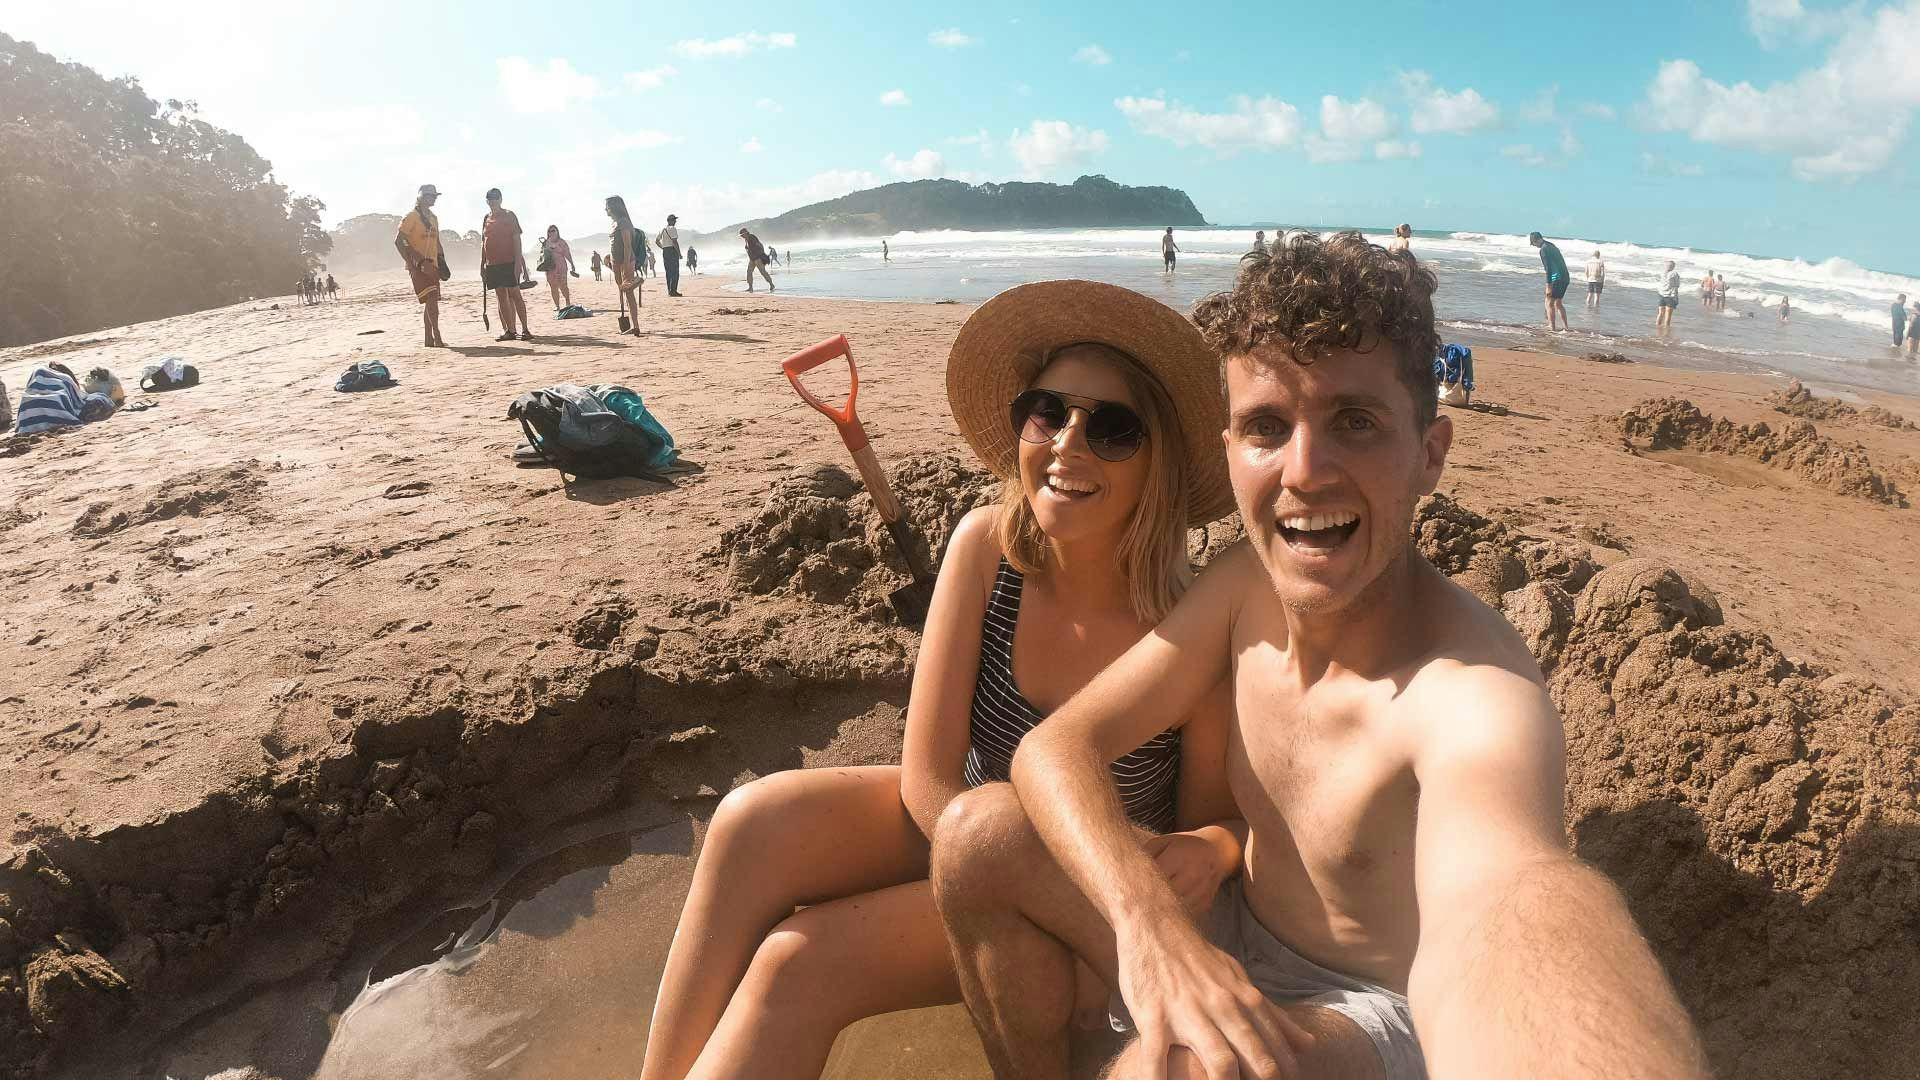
[(1181, 990), (1529, 963)]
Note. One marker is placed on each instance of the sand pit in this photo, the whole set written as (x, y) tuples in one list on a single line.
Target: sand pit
[(1796, 400), (284, 664), (1674, 424)]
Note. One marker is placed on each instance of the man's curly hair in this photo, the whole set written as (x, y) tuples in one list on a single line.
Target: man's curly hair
[(1313, 295)]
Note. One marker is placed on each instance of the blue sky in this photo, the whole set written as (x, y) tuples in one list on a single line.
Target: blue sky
[(1767, 127)]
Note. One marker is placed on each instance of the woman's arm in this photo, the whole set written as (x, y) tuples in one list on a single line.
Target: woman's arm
[(933, 759)]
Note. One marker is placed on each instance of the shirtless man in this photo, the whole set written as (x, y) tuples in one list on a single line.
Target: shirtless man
[(1395, 754)]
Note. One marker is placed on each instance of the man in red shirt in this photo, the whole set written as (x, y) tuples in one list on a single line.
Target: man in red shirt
[(503, 266)]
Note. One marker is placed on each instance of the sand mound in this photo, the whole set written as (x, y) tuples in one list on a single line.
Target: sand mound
[(1675, 424), (1762, 816), (818, 536), (1797, 400), (233, 488)]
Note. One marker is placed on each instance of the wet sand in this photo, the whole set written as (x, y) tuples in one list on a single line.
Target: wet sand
[(282, 662)]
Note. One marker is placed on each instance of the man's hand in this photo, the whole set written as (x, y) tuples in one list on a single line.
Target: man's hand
[(1184, 992), (1192, 865)]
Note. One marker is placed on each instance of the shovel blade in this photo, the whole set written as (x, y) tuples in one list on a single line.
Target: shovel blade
[(910, 602)]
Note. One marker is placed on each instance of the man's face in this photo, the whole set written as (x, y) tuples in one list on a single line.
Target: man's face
[(1327, 462)]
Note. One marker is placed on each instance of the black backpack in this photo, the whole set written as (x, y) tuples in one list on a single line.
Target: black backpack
[(590, 446), (365, 375)]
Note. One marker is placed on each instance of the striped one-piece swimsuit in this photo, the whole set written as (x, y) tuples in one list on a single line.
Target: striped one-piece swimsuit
[(1002, 715)]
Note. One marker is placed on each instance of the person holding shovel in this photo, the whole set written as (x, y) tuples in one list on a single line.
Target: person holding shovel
[(1101, 410), (623, 256), (503, 266), (418, 242)]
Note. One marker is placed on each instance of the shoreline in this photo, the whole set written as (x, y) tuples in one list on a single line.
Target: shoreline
[(316, 656)]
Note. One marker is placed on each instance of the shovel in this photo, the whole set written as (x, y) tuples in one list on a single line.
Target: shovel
[(909, 602)]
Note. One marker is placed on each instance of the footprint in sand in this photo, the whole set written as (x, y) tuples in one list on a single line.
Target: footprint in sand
[(412, 489)]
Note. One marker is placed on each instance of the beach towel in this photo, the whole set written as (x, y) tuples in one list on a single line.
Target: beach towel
[(51, 399), (1453, 370), (571, 429), (168, 373), (365, 375), (573, 311)]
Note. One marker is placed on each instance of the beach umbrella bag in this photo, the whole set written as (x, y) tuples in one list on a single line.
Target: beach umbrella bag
[(594, 431)]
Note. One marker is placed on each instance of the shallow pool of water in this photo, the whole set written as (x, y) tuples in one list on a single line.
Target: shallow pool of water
[(554, 976)]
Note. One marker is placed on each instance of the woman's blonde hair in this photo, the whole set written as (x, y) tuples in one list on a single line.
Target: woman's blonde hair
[(1153, 550)]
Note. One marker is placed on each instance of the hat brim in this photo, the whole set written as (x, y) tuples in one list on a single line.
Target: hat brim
[(999, 350)]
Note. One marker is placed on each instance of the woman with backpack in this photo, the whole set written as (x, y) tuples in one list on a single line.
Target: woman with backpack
[(626, 245), (556, 258)]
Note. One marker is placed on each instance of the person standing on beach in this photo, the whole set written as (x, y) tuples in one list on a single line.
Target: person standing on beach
[(1669, 298), (1402, 238), (1899, 319), (1596, 279), (418, 242), (595, 263), (625, 243), (556, 257), (1167, 248), (333, 288), (1556, 267), (669, 241), (693, 260), (503, 266), (757, 258)]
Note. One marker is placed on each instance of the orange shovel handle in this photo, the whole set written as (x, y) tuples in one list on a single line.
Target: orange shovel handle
[(844, 418)]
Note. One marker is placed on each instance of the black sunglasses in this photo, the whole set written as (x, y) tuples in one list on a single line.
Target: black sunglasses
[(1114, 431)]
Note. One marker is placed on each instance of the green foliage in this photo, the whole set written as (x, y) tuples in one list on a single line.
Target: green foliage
[(117, 209)]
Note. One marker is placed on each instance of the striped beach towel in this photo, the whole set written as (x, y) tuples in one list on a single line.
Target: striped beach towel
[(51, 399)]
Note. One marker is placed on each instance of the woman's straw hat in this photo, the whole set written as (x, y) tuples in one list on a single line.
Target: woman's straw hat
[(1000, 349)]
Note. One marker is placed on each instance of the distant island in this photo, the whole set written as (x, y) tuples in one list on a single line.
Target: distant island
[(1089, 202)]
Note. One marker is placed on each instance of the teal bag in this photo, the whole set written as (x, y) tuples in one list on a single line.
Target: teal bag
[(627, 405)]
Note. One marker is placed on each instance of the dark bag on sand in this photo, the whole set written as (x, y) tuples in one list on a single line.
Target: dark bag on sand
[(573, 311), (572, 430), (365, 375), (162, 376)]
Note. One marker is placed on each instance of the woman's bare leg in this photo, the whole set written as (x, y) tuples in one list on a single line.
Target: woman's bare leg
[(789, 839), (825, 968)]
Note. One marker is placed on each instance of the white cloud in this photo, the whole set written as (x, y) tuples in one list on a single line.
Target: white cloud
[(1543, 109), (737, 45), (359, 127), (952, 38), (1048, 145), (651, 78), (636, 140), (1596, 111), (751, 146), (1525, 154), (1094, 55), (550, 89), (769, 104), (1438, 111), (1356, 121), (1392, 149), (1265, 124), (923, 165), (979, 138), (1839, 121), (895, 98), (1782, 22), (1322, 151), (1660, 166)]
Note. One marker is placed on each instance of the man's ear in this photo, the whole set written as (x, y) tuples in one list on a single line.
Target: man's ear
[(1435, 444)]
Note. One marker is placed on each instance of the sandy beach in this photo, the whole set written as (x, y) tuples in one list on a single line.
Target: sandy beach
[(288, 670)]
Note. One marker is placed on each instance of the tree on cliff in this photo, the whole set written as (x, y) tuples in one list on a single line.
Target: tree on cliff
[(117, 209)]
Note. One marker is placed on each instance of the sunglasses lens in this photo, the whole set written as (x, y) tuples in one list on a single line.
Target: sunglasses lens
[(1038, 416), (1114, 432)]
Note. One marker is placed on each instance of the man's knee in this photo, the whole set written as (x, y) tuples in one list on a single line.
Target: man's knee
[(982, 838)]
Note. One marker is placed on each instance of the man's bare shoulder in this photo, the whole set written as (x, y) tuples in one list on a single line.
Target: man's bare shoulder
[(1476, 679), (1228, 579)]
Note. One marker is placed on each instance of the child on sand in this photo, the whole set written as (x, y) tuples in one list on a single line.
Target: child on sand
[(1110, 449), (596, 266)]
